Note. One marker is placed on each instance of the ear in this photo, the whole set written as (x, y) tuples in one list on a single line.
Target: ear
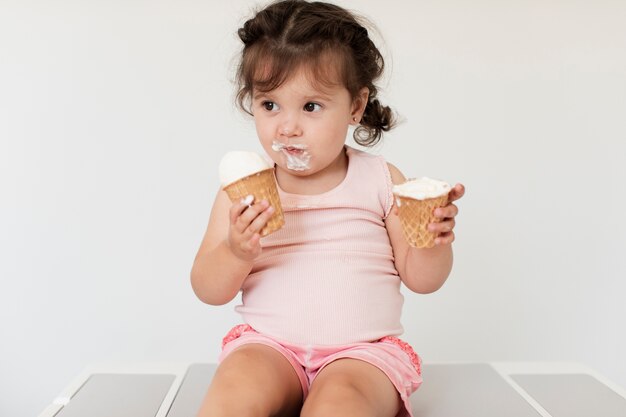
[(358, 106)]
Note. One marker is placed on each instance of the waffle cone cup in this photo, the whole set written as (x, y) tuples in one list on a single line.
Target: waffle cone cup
[(415, 215), (262, 185)]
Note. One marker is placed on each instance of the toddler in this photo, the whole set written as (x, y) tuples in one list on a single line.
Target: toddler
[(321, 297)]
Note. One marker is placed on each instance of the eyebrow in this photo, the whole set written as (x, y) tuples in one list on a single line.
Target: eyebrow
[(307, 98), (259, 94), (323, 97)]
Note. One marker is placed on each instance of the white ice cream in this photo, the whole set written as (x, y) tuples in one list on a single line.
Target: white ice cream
[(422, 188), (297, 155), (238, 164)]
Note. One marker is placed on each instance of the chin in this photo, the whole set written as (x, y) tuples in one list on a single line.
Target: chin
[(297, 172)]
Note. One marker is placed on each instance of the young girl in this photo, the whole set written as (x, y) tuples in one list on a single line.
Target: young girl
[(321, 297)]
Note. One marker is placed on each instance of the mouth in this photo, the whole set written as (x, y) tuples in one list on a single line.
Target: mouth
[(277, 146), (296, 154), (292, 150)]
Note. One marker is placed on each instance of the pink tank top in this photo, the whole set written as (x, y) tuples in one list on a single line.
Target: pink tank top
[(327, 277)]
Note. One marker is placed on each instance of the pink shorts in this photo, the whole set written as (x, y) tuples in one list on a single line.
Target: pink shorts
[(391, 355)]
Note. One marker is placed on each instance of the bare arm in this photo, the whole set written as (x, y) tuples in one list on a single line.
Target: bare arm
[(228, 249), (424, 270)]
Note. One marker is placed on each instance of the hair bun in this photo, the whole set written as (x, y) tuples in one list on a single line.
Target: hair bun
[(250, 32), (376, 120)]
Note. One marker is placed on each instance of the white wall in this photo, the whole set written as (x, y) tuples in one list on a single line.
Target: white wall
[(113, 116)]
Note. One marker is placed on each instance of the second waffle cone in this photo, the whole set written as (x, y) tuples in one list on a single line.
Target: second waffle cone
[(415, 215)]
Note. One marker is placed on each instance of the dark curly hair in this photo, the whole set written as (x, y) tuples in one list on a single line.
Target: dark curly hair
[(289, 33)]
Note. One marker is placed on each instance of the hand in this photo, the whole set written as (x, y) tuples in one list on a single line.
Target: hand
[(246, 222), (447, 214)]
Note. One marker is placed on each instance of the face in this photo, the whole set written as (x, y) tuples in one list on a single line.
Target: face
[(303, 127)]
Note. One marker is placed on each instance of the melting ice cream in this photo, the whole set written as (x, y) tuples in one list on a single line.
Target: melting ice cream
[(238, 164), (297, 155), (422, 188)]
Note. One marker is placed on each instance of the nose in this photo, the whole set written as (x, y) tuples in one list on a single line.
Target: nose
[(289, 126)]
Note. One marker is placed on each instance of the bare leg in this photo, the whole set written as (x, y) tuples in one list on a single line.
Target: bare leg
[(350, 388), (253, 381)]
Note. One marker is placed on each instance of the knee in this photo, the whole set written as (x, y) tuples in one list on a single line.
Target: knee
[(335, 400), (247, 384), (321, 409)]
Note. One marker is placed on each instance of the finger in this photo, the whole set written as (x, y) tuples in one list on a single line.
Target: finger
[(445, 239), (253, 243), (456, 192), (248, 200), (446, 212), (249, 214), (259, 222), (237, 208), (442, 227)]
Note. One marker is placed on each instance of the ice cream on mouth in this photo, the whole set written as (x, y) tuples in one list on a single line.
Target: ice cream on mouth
[(296, 155)]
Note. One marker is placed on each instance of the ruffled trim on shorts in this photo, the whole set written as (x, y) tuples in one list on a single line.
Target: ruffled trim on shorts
[(235, 332), (240, 329), (415, 359)]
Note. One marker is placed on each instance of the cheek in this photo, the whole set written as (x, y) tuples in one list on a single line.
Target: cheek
[(337, 132), (260, 125), (264, 130)]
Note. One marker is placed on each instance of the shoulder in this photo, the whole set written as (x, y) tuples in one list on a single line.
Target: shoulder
[(366, 164), (397, 177), (359, 154), (378, 174), (367, 158)]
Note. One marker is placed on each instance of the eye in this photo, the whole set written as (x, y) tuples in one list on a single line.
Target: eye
[(312, 107), (270, 106)]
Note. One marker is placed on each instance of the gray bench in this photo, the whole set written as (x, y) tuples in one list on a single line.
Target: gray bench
[(449, 390)]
